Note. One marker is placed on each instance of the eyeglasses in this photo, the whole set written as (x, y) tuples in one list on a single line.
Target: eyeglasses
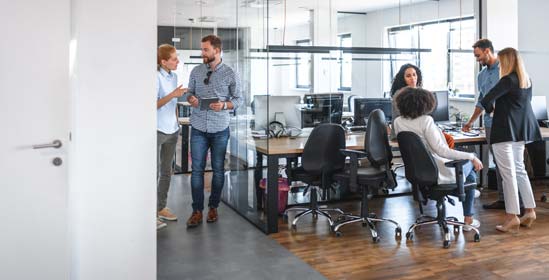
[(207, 80)]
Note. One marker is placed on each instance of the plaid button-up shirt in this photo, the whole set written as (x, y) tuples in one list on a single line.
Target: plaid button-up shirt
[(223, 84)]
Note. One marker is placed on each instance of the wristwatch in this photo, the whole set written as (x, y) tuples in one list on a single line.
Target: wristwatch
[(224, 105)]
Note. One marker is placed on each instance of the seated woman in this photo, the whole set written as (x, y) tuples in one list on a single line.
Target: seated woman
[(414, 105)]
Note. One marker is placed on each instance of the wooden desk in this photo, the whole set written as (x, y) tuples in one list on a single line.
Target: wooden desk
[(277, 148)]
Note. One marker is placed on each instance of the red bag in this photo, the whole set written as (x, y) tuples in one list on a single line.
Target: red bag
[(283, 190)]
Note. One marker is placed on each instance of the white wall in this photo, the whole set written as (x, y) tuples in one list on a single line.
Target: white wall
[(501, 23), (113, 182), (533, 43)]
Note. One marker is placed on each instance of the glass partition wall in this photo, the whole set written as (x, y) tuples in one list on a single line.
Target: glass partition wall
[(304, 63)]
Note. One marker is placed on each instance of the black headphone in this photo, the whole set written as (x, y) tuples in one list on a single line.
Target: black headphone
[(276, 129)]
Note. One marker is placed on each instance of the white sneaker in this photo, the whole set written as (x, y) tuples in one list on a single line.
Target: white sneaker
[(160, 224), (475, 224), (477, 193)]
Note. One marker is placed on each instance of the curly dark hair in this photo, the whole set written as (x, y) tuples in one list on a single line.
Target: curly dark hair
[(415, 102), (399, 81)]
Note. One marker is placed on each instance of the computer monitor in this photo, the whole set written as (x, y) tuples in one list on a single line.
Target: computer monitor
[(322, 108), (539, 106), (364, 106), (267, 106), (441, 112)]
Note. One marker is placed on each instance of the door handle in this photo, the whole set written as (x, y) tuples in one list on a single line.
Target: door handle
[(55, 144)]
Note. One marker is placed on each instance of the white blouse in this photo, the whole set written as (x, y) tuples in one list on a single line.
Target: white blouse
[(433, 139)]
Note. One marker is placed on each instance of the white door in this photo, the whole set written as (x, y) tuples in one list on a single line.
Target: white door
[(34, 109)]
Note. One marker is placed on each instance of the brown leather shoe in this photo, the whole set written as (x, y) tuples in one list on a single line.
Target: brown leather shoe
[(212, 215), (195, 219)]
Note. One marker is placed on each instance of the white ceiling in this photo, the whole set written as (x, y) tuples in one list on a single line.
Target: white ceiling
[(252, 12)]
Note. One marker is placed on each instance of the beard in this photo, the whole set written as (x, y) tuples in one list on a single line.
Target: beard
[(207, 59)]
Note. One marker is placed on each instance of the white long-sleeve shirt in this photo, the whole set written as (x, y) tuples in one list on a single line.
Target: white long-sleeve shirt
[(435, 142)]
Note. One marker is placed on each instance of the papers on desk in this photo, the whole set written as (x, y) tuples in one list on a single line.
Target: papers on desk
[(259, 134), (305, 132)]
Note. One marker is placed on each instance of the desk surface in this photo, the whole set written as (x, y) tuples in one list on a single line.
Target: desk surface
[(354, 141)]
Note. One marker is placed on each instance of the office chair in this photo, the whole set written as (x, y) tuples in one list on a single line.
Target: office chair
[(321, 158), (371, 178), (422, 173)]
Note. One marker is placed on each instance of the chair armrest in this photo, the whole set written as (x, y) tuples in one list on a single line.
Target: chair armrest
[(455, 163), (351, 153), (353, 168), (460, 178)]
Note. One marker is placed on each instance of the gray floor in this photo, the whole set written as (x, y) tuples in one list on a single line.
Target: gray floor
[(229, 249)]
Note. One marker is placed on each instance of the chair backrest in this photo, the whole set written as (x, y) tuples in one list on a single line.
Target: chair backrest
[(322, 150), (419, 163), (376, 142), (351, 102)]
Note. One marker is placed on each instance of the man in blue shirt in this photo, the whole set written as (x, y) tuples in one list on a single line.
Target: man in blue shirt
[(210, 126), (487, 78)]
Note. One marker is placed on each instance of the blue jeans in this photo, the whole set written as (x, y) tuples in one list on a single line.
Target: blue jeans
[(470, 176), (217, 144)]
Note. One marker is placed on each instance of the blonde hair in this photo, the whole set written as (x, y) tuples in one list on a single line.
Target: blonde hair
[(164, 53), (510, 61)]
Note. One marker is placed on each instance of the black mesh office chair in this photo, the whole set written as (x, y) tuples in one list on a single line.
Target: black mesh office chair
[(422, 173), (321, 158), (379, 175)]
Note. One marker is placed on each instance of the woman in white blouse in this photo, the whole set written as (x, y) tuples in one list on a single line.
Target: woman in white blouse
[(414, 105)]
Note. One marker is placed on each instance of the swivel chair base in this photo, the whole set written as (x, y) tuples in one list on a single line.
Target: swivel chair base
[(443, 222), (313, 209), (366, 219)]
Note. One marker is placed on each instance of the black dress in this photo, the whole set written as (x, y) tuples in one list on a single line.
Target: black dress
[(513, 118)]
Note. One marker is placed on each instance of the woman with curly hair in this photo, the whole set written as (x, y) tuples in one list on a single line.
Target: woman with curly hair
[(409, 75), (415, 104)]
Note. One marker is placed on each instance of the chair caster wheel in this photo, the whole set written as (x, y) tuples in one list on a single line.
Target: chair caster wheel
[(315, 216), (398, 233), (409, 236), (456, 229), (477, 237), (294, 227), (543, 198), (338, 233), (446, 244), (375, 239), (364, 224)]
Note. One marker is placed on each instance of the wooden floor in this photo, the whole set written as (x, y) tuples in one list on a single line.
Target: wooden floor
[(353, 256)]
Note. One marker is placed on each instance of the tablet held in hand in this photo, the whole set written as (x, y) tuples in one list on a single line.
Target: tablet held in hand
[(205, 102)]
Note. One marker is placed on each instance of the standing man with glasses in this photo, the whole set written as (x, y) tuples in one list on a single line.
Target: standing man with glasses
[(210, 127)]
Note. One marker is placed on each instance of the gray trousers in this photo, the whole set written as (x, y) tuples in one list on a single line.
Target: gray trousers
[(165, 151)]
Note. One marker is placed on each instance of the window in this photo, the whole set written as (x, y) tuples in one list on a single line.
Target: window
[(345, 63), (449, 65), (303, 66)]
